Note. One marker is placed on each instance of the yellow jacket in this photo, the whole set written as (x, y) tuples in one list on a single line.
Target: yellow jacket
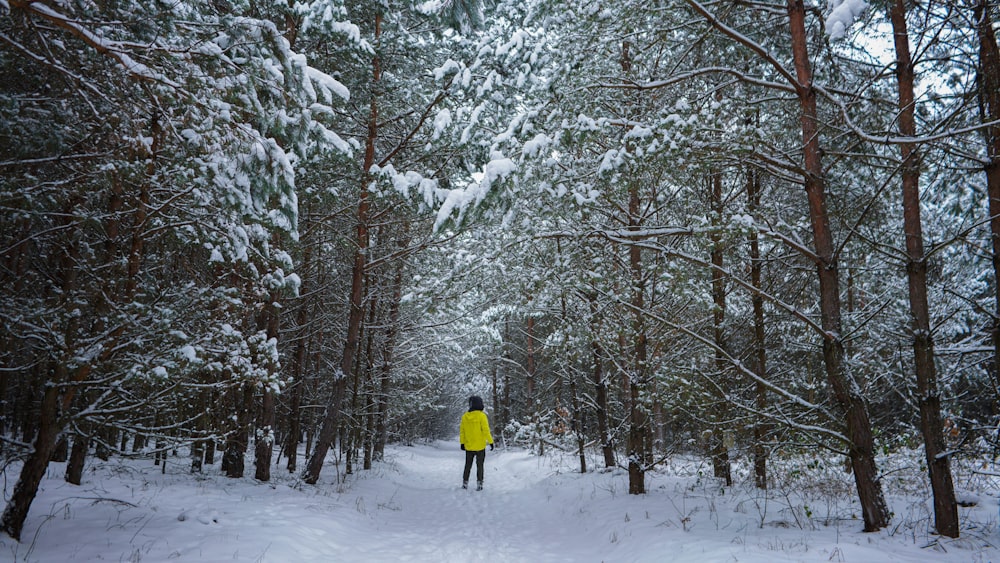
[(474, 432)]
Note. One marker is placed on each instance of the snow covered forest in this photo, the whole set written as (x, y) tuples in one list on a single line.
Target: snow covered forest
[(251, 236)]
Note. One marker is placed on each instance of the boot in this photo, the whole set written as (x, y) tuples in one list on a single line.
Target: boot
[(479, 486), (465, 484)]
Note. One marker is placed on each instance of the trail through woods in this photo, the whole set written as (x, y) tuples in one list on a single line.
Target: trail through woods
[(411, 508)]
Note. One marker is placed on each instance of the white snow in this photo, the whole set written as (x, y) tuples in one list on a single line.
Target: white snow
[(536, 145), (447, 68), (411, 508), (189, 353), (329, 85), (842, 16), (459, 199), (441, 122)]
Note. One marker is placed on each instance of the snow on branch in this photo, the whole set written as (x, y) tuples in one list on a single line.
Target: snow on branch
[(113, 49), (329, 85), (842, 16), (688, 75), (475, 192)]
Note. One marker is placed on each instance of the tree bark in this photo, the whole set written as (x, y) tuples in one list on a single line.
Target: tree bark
[(264, 443), (928, 392), (577, 425), (600, 385), (530, 398), (761, 427), (638, 419), (269, 321), (845, 389), (236, 444), (16, 511), (77, 459), (719, 451), (989, 107)]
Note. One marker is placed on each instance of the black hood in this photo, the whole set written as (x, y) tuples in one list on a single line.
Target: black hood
[(475, 403)]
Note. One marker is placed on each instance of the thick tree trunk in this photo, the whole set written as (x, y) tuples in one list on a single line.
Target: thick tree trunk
[(719, 449), (77, 459), (638, 419), (928, 392), (269, 321), (846, 391), (989, 105), (264, 443), (236, 445), (14, 515), (331, 418)]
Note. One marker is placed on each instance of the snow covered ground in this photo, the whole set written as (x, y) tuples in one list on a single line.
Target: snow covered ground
[(411, 508)]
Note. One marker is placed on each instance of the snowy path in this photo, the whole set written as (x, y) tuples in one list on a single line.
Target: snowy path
[(430, 518), (411, 508)]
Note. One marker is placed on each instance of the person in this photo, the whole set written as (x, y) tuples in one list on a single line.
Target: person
[(474, 435)]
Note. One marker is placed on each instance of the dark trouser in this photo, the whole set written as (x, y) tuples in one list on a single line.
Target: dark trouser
[(480, 457)]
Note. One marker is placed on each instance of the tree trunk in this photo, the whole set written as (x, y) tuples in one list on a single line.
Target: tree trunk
[(505, 411), (845, 389), (928, 393), (391, 332), (264, 443), (989, 106), (356, 420), (294, 425), (299, 359), (210, 451), (48, 424), (367, 444), (719, 449), (200, 430), (77, 458), (236, 444), (638, 419), (578, 428), (331, 418), (269, 321), (197, 456), (365, 418), (600, 385), (531, 400), (14, 515), (761, 427)]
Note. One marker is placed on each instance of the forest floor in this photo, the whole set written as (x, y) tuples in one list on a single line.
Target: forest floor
[(533, 509)]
